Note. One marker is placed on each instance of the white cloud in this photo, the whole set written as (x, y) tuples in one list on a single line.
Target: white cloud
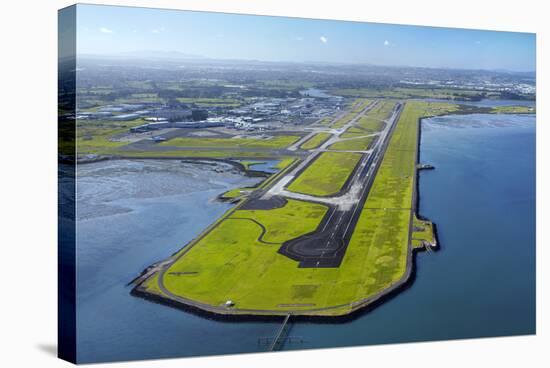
[(299, 38), (323, 39), (386, 43), (105, 30), (158, 30)]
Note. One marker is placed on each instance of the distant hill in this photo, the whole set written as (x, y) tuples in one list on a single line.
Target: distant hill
[(146, 55)]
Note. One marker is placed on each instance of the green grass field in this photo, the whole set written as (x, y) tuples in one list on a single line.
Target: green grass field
[(234, 261), (358, 106), (344, 120), (513, 110), (372, 122), (383, 227), (236, 154), (213, 269), (236, 193), (95, 137), (327, 174), (210, 101), (326, 121), (380, 242), (276, 142), (99, 144), (370, 125), (422, 232), (248, 165), (243, 192), (359, 144), (315, 141), (410, 92), (285, 162)]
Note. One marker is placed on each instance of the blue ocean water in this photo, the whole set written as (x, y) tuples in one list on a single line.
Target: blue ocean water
[(480, 283), (130, 215)]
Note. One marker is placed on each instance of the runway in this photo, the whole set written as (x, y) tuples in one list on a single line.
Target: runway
[(326, 246)]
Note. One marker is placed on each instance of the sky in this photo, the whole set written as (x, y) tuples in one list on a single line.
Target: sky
[(111, 30)]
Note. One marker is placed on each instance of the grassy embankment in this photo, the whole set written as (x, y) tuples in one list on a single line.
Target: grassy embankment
[(383, 228), (248, 164), (381, 238), (285, 162), (231, 263), (315, 141), (238, 193), (379, 247), (423, 232), (326, 175)]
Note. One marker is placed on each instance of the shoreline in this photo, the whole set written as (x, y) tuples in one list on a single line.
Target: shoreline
[(436, 245), (357, 308), (191, 160), (366, 307)]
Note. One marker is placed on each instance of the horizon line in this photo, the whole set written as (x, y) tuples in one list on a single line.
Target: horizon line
[(120, 56)]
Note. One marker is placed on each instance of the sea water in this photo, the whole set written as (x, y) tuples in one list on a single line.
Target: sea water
[(480, 283)]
